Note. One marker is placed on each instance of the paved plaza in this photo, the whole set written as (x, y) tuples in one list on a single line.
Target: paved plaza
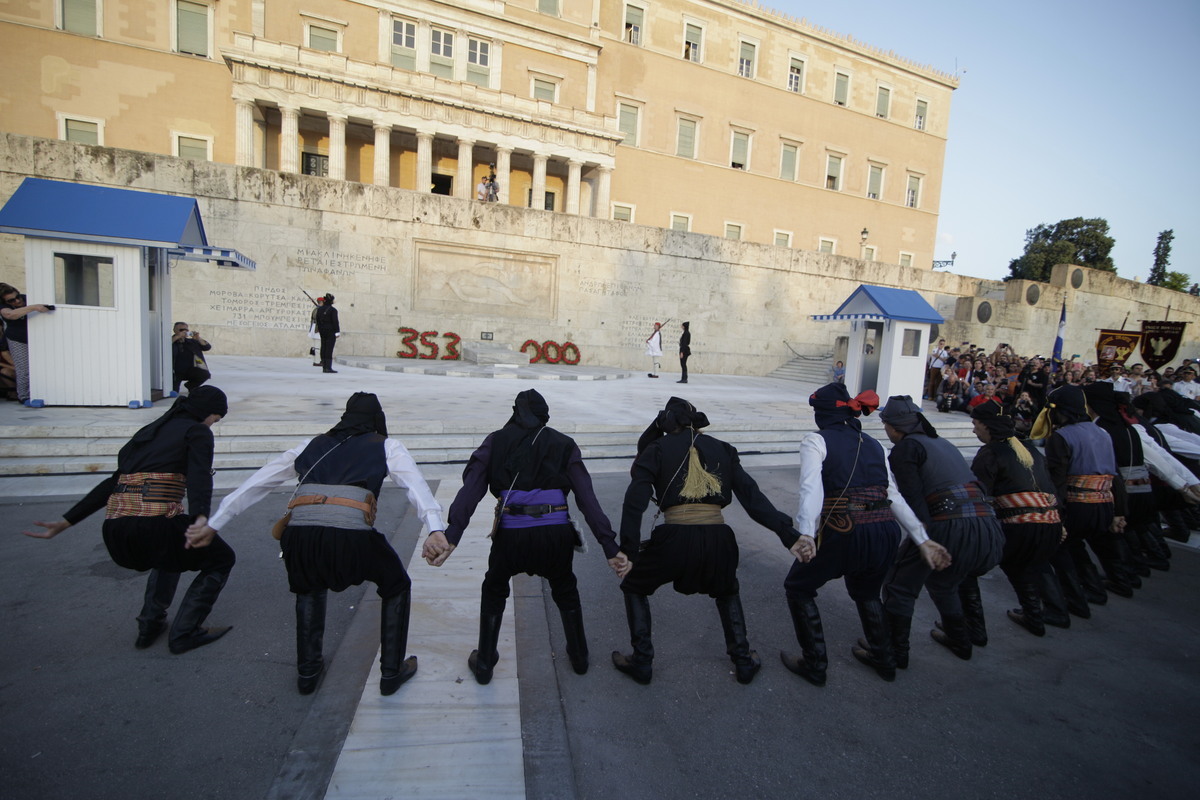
[(1105, 709)]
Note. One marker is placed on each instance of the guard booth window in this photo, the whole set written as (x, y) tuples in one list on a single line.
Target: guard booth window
[(83, 280)]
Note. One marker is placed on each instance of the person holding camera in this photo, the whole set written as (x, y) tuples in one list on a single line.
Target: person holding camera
[(15, 312), (187, 358)]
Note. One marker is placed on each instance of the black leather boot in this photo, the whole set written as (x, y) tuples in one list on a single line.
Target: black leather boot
[(310, 638), (1029, 615), (186, 631), (484, 658), (394, 668), (806, 620), (733, 622), (898, 628), (638, 664), (972, 603), (577, 648), (1054, 604), (1177, 526), (952, 633), (878, 654), (1070, 586), (1090, 581), (160, 591), (1155, 552)]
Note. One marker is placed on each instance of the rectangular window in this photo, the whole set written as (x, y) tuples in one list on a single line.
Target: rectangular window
[(906, 259), (314, 164), (548, 7), (922, 112), (833, 173), (191, 28), (545, 90), (622, 213), (787, 162), (633, 24), (826, 246), (746, 60), (404, 44), (441, 53), (479, 57), (685, 138), (796, 76), (783, 239), (191, 147), (79, 16), (693, 36), (322, 39), (875, 182), (883, 102), (681, 222), (81, 132), (83, 280), (739, 155), (910, 344), (913, 196), (733, 231), (869, 253), (628, 123), (841, 89)]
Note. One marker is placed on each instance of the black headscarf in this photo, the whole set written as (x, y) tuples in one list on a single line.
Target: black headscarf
[(999, 425), (526, 454), (197, 405), (905, 416), (1103, 400), (675, 416), (832, 405), (363, 414)]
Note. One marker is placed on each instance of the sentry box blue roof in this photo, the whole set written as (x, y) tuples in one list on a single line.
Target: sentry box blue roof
[(75, 211), (882, 302)]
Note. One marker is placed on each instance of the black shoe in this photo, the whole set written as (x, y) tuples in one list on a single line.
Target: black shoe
[(1018, 616), (149, 634), (388, 684), (1054, 621), (681, 381), (642, 673), (865, 656), (802, 668), (329, 371), (1118, 589), (482, 672), (651, 375), (1080, 609), (746, 672), (953, 636), (307, 684), (200, 638)]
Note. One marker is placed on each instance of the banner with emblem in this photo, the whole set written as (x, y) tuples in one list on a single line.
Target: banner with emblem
[(1160, 342), (1113, 347)]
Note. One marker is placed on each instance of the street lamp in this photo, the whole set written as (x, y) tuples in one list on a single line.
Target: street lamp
[(950, 263)]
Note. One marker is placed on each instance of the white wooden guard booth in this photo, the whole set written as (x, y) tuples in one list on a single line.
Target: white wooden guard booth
[(102, 257), (889, 339)]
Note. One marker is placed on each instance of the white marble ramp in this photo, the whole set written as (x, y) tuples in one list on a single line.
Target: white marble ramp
[(441, 735)]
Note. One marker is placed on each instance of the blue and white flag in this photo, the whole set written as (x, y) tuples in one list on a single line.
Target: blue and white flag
[(1056, 359)]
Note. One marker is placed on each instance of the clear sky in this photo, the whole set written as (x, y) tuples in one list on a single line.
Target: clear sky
[(1064, 109)]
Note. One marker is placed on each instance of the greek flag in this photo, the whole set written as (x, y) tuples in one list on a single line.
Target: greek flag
[(1056, 359)]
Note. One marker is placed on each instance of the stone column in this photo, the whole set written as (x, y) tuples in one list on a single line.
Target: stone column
[(573, 170), (604, 192), (244, 132), (464, 187), (383, 153), (538, 200), (337, 146), (289, 139), (424, 161), (503, 173)]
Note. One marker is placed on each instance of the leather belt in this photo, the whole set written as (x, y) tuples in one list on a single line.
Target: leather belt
[(533, 511), (368, 508)]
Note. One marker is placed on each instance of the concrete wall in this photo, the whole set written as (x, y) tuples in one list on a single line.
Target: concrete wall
[(400, 258)]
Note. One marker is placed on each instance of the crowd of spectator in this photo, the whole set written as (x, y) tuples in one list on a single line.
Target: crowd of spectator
[(961, 378)]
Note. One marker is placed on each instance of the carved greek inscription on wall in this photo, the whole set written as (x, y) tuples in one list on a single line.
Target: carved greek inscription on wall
[(605, 288), (461, 279), (635, 330), (334, 262), (272, 307)]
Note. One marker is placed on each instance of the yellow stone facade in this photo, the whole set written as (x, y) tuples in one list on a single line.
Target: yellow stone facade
[(714, 116)]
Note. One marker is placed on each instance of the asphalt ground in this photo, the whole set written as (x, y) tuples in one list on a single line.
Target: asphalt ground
[(1105, 710)]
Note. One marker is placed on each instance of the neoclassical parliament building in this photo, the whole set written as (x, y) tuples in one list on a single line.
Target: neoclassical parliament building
[(717, 117)]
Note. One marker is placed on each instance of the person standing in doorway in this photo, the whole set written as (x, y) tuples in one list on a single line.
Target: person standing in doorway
[(685, 350), (654, 350), (328, 328)]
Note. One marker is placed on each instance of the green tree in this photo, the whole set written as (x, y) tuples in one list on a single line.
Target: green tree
[(1177, 281), (1072, 241), (1162, 259)]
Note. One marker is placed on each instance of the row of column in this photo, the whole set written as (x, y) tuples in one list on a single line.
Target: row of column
[(289, 159)]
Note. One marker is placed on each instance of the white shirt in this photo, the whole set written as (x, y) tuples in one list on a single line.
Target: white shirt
[(1162, 463), (1185, 443), (812, 493), (401, 469), (654, 344), (1189, 389)]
